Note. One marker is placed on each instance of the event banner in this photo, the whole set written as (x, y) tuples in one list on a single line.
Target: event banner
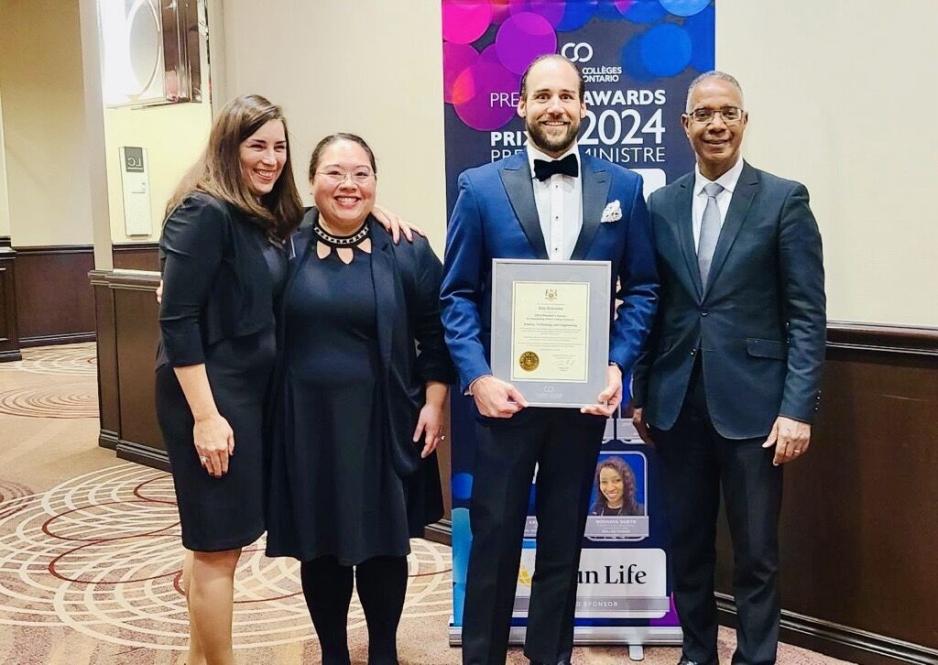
[(637, 58)]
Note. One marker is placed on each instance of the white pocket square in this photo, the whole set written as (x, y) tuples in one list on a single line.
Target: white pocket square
[(612, 212)]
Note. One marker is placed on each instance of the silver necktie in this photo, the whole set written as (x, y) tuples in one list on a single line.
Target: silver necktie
[(709, 231)]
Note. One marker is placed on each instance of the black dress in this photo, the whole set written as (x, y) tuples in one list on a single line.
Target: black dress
[(205, 244), (339, 494)]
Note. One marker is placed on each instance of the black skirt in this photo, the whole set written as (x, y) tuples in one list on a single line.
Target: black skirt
[(228, 512)]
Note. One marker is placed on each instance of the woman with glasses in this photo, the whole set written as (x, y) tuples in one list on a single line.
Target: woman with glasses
[(362, 384), (224, 266)]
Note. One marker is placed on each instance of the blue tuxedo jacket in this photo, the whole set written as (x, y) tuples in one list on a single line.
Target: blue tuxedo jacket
[(495, 216), (760, 323)]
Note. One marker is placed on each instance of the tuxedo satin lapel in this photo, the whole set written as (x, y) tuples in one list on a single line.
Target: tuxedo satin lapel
[(685, 231), (745, 191), (517, 181), (384, 278), (595, 186)]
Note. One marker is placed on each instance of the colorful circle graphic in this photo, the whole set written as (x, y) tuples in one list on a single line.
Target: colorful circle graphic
[(501, 9), (522, 38), (684, 7), (482, 95), (490, 54), (456, 59), (701, 31), (464, 22), (552, 10), (665, 49), (462, 486), (576, 15), (642, 11)]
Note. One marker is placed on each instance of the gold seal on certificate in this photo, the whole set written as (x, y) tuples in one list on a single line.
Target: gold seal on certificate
[(552, 317), (529, 361), (550, 329)]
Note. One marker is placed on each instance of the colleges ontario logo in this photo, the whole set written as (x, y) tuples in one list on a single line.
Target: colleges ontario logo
[(580, 52)]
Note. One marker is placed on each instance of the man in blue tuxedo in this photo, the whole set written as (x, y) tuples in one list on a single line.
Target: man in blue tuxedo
[(731, 380), (548, 201)]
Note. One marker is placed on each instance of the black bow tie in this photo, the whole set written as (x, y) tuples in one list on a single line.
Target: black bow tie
[(566, 166)]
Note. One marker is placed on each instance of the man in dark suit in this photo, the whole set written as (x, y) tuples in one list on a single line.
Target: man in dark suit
[(730, 382), (546, 202)]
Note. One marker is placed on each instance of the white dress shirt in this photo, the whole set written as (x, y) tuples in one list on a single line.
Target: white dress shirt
[(559, 206), (728, 180)]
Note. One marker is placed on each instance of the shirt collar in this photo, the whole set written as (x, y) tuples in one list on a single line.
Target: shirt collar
[(728, 180), (534, 153)]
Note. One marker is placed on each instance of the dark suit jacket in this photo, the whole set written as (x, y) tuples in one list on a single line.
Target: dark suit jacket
[(216, 283), (410, 343), (495, 216), (761, 322)]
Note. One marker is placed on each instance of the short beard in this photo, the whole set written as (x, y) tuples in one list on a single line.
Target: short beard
[(542, 142)]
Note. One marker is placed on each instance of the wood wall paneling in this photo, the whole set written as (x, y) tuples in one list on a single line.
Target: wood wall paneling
[(136, 256), (108, 389), (859, 529), (54, 302), (137, 334), (9, 334)]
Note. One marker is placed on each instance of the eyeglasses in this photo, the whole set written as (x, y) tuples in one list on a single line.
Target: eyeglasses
[(358, 176), (730, 114)]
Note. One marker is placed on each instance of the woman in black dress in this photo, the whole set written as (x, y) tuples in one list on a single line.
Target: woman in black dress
[(224, 268), (362, 385)]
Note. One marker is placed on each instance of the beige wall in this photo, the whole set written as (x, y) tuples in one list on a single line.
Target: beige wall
[(173, 136), (369, 67), (46, 154), (841, 93), (4, 202), (43, 123), (842, 96)]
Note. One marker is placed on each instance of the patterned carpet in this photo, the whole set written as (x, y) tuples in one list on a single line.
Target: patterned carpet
[(90, 554), (72, 394), (100, 554)]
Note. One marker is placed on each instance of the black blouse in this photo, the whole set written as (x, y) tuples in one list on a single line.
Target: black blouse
[(216, 282)]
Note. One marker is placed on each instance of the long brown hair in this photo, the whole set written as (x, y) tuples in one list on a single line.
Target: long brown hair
[(218, 171)]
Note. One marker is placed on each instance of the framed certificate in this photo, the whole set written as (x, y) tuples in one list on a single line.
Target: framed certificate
[(550, 329)]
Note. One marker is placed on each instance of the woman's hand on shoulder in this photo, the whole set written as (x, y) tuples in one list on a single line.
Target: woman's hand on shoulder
[(214, 443), (395, 225)]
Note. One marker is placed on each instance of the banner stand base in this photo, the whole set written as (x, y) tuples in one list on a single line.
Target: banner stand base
[(635, 637)]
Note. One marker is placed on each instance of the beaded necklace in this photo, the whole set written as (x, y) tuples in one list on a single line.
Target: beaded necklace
[(343, 245)]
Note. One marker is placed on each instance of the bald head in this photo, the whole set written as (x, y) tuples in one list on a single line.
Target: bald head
[(549, 58)]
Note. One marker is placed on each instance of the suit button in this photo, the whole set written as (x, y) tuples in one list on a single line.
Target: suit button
[(694, 352), (704, 313)]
